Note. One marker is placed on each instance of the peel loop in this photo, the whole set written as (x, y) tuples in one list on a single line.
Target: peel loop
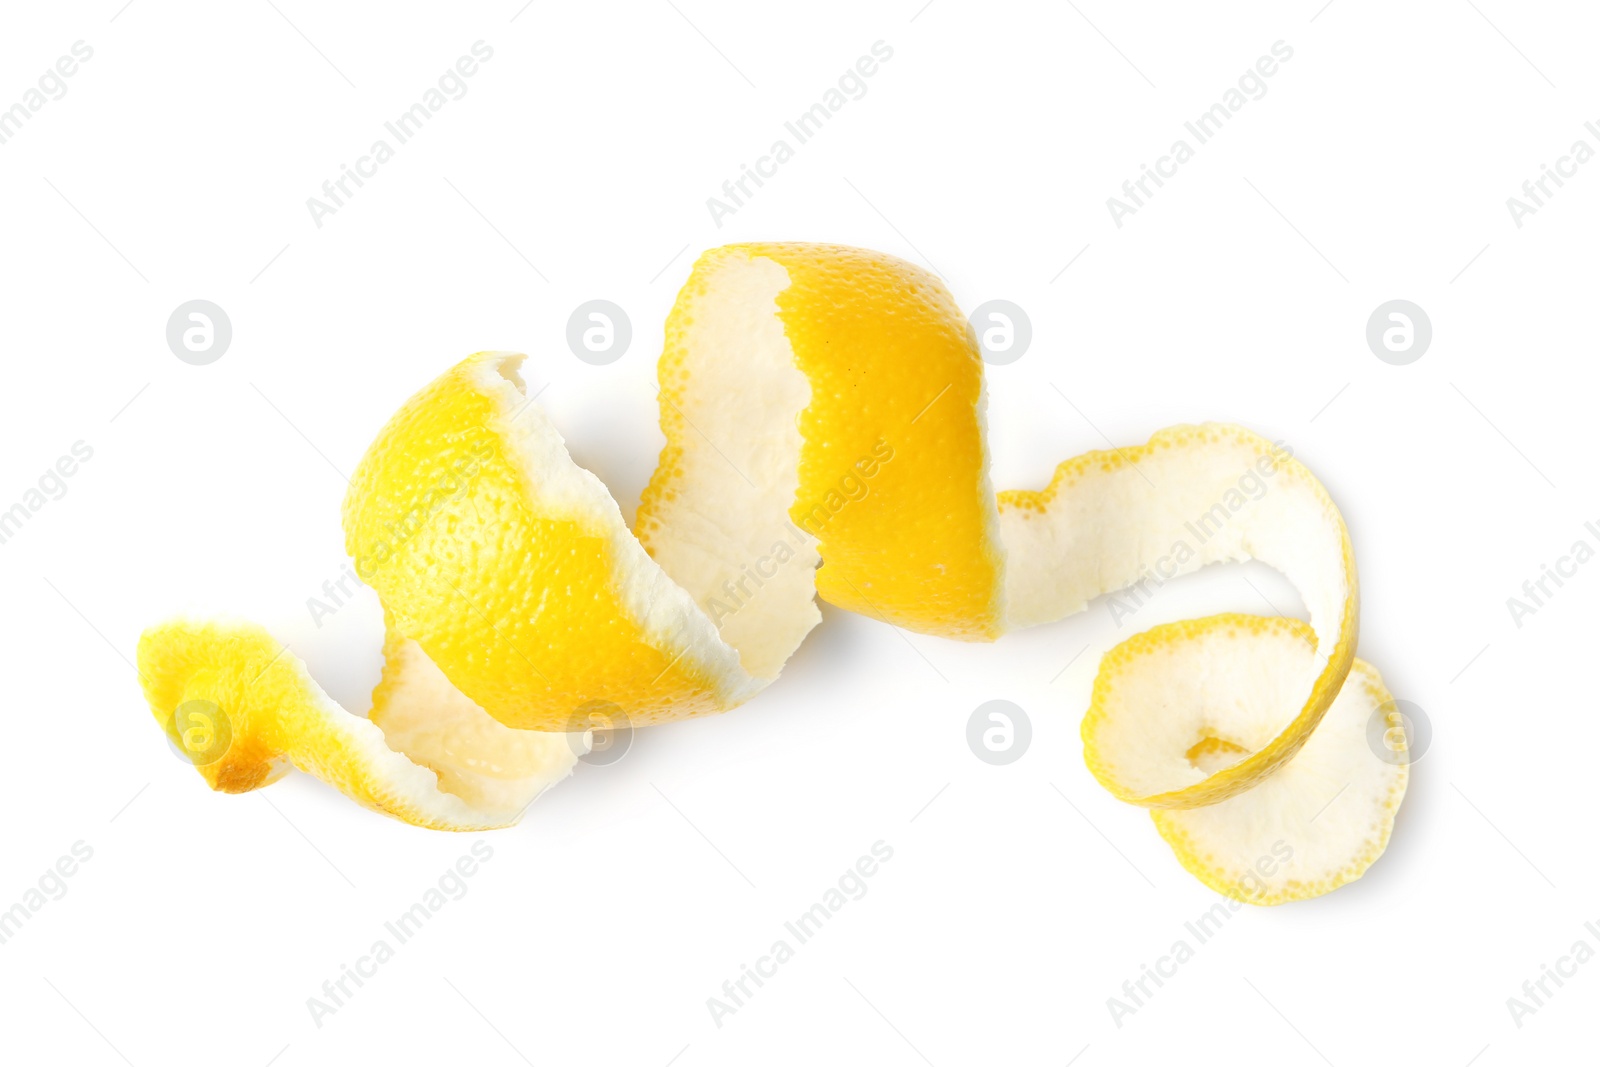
[(1135, 518)]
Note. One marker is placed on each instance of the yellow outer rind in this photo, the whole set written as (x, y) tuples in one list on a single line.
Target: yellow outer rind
[(514, 597), (892, 365), (277, 716)]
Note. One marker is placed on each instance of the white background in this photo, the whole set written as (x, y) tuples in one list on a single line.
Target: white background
[(1019, 898)]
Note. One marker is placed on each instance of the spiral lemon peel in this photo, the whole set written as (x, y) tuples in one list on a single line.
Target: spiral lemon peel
[(824, 415)]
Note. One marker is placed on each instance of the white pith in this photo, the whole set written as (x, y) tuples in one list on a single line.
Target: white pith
[(1317, 822), (491, 766), (724, 533), (1113, 528)]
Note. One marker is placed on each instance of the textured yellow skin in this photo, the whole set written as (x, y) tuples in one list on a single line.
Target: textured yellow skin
[(512, 596), (179, 661), (891, 361), (277, 714)]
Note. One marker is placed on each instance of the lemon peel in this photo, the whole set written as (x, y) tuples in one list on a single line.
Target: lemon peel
[(824, 415), (278, 718), (1322, 819)]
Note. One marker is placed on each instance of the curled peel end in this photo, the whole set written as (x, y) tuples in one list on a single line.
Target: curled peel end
[(1177, 647), (1323, 819), (1132, 519), (197, 681), (243, 709)]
